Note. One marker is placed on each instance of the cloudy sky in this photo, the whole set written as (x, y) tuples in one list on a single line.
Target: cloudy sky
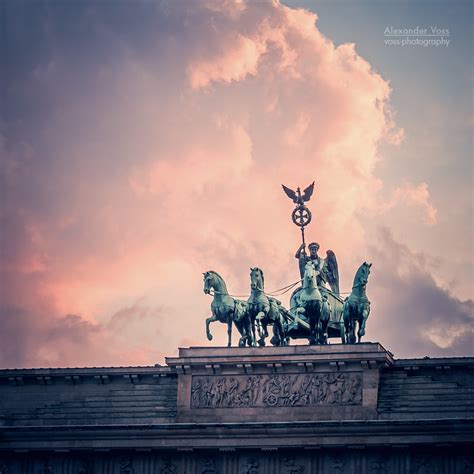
[(143, 143)]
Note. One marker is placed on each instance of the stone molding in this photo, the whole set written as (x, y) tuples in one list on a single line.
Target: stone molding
[(75, 376), (215, 360), (264, 436)]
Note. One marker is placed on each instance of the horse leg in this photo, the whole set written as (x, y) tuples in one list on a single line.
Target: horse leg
[(248, 328), (317, 331), (262, 328), (316, 327), (263, 318), (352, 330), (313, 332), (323, 336), (251, 338), (252, 341), (240, 325), (277, 338), (229, 332), (343, 326), (361, 331), (282, 335), (253, 334), (349, 327), (208, 322), (343, 333), (263, 332)]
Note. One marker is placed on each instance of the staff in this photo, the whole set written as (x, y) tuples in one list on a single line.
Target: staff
[(301, 215)]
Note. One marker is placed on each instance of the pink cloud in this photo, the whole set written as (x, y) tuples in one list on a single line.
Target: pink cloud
[(232, 65), (177, 167), (418, 196), (415, 196)]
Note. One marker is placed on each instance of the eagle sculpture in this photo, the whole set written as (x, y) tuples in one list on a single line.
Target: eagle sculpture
[(297, 197)]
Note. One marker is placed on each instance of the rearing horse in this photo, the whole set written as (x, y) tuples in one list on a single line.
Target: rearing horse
[(309, 301), (227, 309), (356, 307), (264, 310)]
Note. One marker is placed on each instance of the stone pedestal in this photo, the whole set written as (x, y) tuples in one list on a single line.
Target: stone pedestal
[(273, 384)]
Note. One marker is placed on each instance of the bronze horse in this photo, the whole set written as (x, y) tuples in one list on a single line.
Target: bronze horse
[(309, 302), (356, 307), (227, 309), (264, 310)]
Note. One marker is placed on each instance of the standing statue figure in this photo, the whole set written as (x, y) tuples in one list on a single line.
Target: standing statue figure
[(313, 256), (327, 267)]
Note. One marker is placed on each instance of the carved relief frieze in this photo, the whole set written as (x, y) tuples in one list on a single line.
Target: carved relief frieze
[(86, 466), (46, 467), (126, 466), (276, 390), (168, 467), (209, 466), (379, 465), (468, 466), (425, 465), (291, 466), (339, 464), (252, 466)]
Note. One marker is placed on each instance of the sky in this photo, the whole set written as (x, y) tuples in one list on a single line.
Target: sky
[(144, 143)]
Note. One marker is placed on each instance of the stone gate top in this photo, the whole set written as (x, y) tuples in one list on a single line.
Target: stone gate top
[(327, 382), (325, 395)]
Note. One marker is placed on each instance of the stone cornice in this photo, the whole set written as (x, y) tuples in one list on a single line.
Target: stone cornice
[(333, 356), (75, 375), (321, 434)]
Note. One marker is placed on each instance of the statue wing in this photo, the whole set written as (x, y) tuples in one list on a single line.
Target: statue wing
[(332, 271), (290, 193), (308, 192)]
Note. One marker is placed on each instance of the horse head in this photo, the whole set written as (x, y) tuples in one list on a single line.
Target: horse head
[(362, 275), (257, 281), (215, 281), (207, 282), (310, 273)]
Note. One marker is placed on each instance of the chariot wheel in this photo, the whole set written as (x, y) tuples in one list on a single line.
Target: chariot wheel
[(272, 400)]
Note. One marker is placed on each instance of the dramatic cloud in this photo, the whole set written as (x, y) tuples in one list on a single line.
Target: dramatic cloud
[(144, 144), (411, 314), (413, 196), (35, 332)]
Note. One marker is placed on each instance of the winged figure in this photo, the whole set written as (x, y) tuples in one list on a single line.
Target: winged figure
[(297, 197), (332, 271)]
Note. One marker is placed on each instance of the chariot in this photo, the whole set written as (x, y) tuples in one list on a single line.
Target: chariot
[(317, 311)]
